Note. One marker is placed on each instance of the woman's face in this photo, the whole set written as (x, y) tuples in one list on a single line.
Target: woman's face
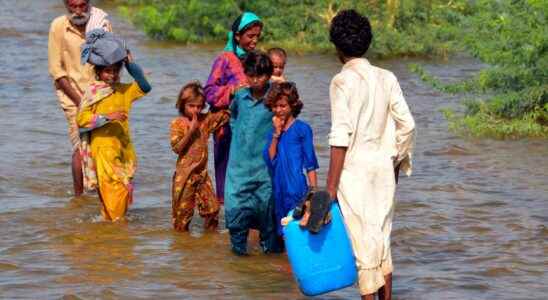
[(110, 74), (281, 108), (248, 39)]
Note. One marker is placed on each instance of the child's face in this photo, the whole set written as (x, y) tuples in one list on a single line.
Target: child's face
[(110, 74), (258, 82), (278, 62), (281, 108), (193, 108)]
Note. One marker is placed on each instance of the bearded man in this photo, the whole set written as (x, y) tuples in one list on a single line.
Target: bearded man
[(71, 77)]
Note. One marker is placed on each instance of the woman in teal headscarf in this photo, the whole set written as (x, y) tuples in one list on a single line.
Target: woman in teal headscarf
[(226, 77)]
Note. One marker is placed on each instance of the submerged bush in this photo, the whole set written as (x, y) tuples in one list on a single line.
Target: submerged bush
[(511, 36), (412, 27)]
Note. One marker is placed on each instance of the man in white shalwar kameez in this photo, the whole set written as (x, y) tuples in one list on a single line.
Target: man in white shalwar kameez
[(371, 136)]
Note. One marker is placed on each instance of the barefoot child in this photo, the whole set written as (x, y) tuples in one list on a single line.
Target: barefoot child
[(103, 115), (278, 56), (191, 184), (289, 150), (248, 190)]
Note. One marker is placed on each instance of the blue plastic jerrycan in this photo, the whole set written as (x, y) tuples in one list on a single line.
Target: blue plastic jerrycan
[(321, 262)]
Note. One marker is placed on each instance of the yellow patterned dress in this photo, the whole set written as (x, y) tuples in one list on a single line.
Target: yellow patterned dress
[(111, 148), (191, 184)]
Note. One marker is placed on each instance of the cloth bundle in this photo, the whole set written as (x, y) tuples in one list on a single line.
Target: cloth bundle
[(103, 48)]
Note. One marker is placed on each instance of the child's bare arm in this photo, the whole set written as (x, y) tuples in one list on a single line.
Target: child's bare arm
[(312, 179), (218, 119), (273, 149), (278, 124)]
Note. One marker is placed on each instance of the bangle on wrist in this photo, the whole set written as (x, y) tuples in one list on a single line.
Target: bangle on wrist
[(276, 135)]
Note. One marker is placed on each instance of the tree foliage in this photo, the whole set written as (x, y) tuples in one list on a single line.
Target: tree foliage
[(510, 36)]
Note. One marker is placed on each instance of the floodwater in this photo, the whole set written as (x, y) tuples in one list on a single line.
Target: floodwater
[(470, 223)]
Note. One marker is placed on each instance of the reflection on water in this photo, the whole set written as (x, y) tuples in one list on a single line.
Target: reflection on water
[(470, 223)]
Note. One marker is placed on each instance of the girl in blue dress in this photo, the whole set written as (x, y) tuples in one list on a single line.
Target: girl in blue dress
[(289, 151)]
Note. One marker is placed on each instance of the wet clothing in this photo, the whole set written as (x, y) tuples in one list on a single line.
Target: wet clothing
[(370, 117), (248, 191), (96, 92), (191, 185), (64, 61), (112, 149), (295, 154), (227, 73)]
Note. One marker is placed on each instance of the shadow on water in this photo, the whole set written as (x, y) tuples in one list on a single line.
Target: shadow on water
[(470, 222)]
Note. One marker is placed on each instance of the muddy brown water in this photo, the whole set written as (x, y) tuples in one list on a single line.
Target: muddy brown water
[(470, 223)]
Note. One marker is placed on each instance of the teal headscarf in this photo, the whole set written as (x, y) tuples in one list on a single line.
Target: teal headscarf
[(244, 20)]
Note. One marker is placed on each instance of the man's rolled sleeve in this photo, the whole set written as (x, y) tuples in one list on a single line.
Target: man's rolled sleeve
[(341, 126), (55, 41)]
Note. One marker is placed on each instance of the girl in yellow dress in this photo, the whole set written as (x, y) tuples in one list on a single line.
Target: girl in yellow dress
[(103, 116)]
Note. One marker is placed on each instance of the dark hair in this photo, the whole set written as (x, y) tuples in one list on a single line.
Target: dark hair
[(289, 90), (99, 69), (277, 51), (351, 33), (236, 25), (257, 63), (191, 91), (66, 2)]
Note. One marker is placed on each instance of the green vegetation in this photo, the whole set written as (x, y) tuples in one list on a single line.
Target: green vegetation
[(401, 28), (511, 36)]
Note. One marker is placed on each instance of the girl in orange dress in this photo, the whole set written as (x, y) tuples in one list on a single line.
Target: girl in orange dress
[(191, 185)]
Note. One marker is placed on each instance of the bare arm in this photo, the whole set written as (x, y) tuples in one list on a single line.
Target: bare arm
[(336, 162), (312, 179), (273, 149), (278, 124), (56, 67), (64, 85)]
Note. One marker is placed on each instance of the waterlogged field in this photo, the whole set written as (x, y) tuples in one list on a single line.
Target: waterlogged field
[(470, 222)]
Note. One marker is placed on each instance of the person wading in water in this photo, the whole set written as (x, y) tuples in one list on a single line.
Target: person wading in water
[(71, 78)]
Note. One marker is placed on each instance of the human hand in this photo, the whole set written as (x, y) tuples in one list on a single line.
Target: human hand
[(278, 124), (194, 123), (129, 57), (220, 133), (117, 116), (332, 193)]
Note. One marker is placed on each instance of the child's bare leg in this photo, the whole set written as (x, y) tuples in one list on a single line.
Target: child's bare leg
[(368, 297), (77, 176), (385, 292)]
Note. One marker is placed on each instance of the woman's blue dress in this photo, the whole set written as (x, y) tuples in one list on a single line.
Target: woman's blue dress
[(295, 155)]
